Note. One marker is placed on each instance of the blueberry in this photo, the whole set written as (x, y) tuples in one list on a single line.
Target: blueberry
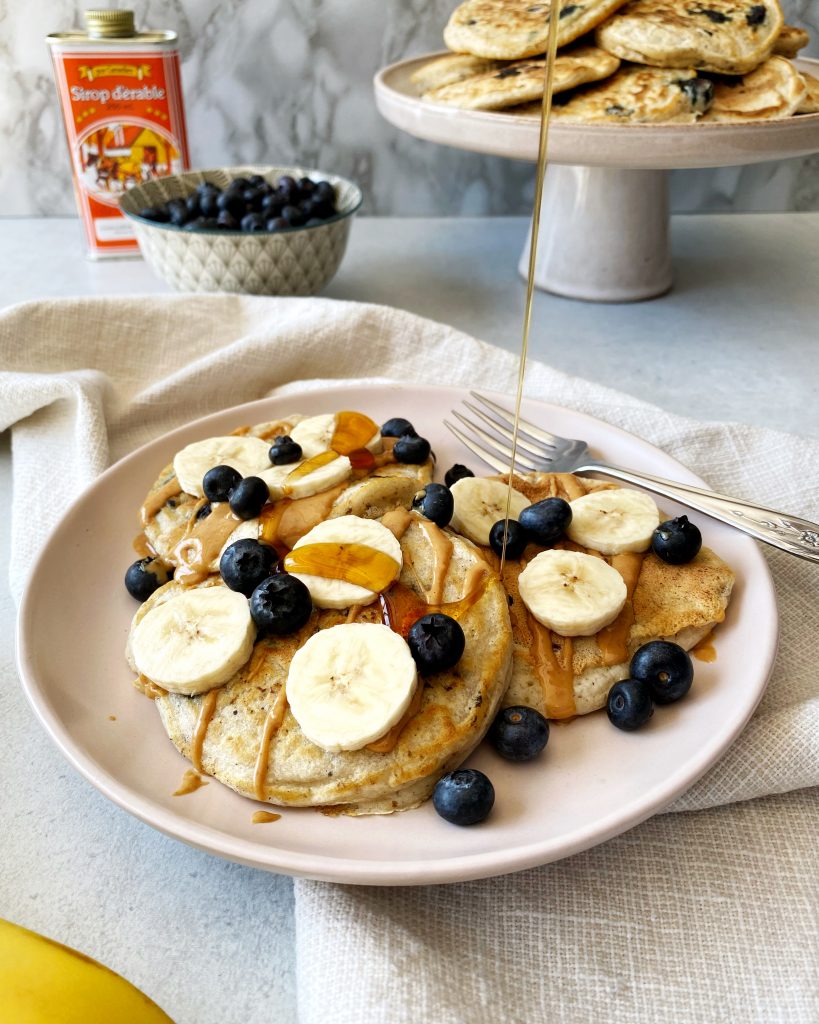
[(320, 208), (676, 541), (306, 186), (220, 482), (203, 512), (196, 224), (252, 222), (411, 449), (436, 642), (245, 563), (665, 668), (464, 797), (756, 15), (207, 224), (272, 205), (209, 204), (277, 224), (206, 186), (249, 497), (519, 733), (178, 211), (252, 197), (516, 538), (280, 604), (192, 203), (284, 450), (238, 184), (158, 214), (227, 221), (435, 502), (232, 203), (629, 705), (398, 427), (293, 215), (257, 181), (326, 191), (546, 521), (287, 184), (145, 576), (455, 473)]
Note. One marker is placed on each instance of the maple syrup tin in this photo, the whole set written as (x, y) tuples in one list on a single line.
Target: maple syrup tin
[(121, 98)]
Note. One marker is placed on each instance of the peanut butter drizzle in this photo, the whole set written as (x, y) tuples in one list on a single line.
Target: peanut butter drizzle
[(149, 687), (705, 650), (387, 742), (191, 781), (273, 721), (552, 655), (613, 639), (142, 546), (156, 499), (353, 612), (290, 519), (279, 428), (240, 432), (201, 542), (206, 710), (397, 521), (264, 817), (442, 556)]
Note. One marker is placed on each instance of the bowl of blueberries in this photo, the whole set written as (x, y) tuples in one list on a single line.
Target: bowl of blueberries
[(255, 230)]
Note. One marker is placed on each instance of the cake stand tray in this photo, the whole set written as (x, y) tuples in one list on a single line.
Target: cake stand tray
[(604, 232)]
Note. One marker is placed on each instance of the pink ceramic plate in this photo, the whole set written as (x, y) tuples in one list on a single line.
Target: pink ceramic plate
[(592, 782)]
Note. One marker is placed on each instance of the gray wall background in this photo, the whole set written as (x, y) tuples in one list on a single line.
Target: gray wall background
[(278, 81)]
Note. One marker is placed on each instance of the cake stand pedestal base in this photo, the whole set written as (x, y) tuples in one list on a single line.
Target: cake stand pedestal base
[(604, 234)]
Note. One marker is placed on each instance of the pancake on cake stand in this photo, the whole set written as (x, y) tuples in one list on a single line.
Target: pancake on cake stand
[(604, 235)]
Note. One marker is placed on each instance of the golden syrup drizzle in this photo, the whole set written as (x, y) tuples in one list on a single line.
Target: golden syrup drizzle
[(354, 563), (542, 156), (352, 432), (705, 650), (308, 466), (206, 710), (401, 606), (264, 817)]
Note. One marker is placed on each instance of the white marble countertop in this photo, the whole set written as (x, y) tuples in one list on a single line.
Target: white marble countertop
[(735, 340)]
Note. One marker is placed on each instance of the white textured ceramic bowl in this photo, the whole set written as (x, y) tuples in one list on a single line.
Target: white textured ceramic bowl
[(295, 261)]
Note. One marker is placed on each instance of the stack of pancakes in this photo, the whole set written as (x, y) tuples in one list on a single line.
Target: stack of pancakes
[(243, 732), (624, 61)]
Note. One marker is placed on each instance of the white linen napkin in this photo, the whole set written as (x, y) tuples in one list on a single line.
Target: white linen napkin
[(83, 382)]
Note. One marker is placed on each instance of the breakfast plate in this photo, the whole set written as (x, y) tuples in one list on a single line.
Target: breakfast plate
[(592, 781)]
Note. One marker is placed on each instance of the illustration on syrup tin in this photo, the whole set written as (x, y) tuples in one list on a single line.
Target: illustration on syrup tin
[(114, 157)]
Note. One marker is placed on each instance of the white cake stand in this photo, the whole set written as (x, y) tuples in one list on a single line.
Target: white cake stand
[(604, 233)]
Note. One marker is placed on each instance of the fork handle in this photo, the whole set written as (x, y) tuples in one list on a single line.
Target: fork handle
[(790, 533)]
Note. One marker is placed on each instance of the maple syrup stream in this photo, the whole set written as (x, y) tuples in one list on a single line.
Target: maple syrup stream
[(542, 157)]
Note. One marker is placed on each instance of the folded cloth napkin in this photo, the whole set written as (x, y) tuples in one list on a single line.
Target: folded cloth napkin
[(83, 382)]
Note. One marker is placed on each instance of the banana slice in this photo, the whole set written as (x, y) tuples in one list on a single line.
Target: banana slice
[(248, 455), (351, 561), (350, 684), (479, 504), (315, 434), (316, 474), (614, 521), (195, 641), (572, 593)]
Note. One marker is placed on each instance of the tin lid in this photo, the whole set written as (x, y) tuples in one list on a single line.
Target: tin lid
[(108, 24)]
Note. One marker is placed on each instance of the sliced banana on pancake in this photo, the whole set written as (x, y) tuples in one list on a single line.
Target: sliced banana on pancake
[(613, 521), (195, 641), (345, 561), (248, 455), (573, 593), (318, 433), (350, 684), (479, 504)]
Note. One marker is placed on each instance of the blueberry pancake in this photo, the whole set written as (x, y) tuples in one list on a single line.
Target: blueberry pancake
[(523, 81), (727, 36), (189, 532), (452, 68), (810, 101), (638, 95), (585, 598), (514, 29), (251, 730), (773, 90), (790, 41)]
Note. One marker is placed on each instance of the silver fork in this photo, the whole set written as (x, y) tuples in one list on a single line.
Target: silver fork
[(538, 450)]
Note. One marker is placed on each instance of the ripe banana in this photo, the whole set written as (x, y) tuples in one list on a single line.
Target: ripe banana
[(44, 982), (315, 435), (194, 641), (479, 504), (247, 455), (572, 593), (614, 521), (345, 536), (350, 684)]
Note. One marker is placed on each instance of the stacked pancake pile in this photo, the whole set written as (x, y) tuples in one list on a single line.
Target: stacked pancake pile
[(624, 61), (337, 712)]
